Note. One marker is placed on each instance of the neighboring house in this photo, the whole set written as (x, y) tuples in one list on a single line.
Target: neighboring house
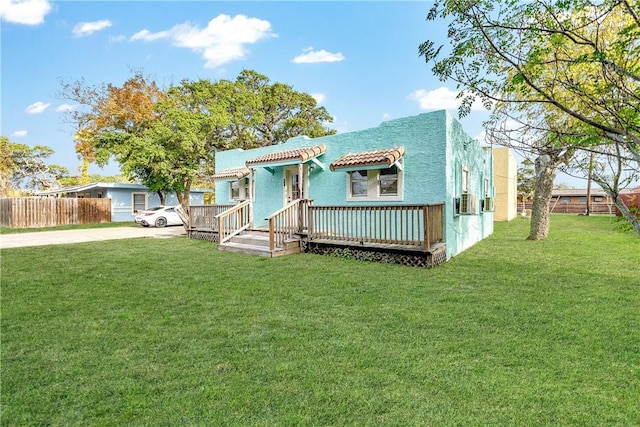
[(126, 199), (506, 184), (574, 201), (417, 184)]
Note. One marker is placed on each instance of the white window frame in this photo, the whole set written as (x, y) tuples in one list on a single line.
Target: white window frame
[(374, 192), (466, 180), (242, 190), (133, 198)]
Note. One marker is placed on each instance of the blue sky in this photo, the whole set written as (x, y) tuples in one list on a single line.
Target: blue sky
[(358, 59)]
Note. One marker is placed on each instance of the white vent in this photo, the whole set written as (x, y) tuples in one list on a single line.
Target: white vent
[(468, 204)]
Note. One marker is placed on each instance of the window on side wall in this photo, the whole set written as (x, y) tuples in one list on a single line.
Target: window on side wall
[(488, 204), (375, 184), (465, 180)]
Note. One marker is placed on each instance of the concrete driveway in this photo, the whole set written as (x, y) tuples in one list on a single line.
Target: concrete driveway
[(41, 238)]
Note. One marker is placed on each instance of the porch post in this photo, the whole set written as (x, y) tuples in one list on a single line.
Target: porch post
[(300, 178), (302, 196), (251, 195)]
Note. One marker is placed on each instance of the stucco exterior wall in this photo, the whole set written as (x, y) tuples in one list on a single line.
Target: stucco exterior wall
[(506, 184), (463, 152), (432, 141)]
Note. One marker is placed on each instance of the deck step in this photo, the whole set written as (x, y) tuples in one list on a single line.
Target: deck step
[(255, 242), (257, 239), (245, 248)]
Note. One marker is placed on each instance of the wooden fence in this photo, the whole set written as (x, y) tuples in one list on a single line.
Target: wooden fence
[(35, 212)]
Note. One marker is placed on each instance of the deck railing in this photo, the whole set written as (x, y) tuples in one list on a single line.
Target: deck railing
[(409, 225), (203, 217), (233, 221), (285, 223)]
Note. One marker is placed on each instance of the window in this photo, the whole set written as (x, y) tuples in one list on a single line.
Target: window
[(566, 200), (238, 190), (139, 201), (359, 183), (465, 180), (99, 194), (583, 200), (488, 202), (375, 184), (389, 181)]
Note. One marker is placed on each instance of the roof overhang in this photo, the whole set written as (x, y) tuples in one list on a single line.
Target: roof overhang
[(231, 174), (378, 159), (288, 157)]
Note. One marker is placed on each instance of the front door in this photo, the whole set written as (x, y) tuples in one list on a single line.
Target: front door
[(294, 184)]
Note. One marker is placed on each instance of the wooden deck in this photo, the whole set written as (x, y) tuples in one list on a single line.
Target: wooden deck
[(402, 234)]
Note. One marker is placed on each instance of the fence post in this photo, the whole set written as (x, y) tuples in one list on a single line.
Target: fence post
[(427, 241)]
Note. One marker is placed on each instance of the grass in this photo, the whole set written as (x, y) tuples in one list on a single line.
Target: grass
[(9, 230), (174, 332)]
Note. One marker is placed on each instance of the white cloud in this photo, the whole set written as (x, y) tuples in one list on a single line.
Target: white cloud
[(19, 133), (386, 116), (37, 107), (117, 39), (319, 97), (441, 98), (28, 12), (148, 36), (83, 29), (222, 41), (310, 56), (65, 107)]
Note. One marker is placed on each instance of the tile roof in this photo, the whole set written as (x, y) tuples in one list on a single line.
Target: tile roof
[(378, 157), (231, 173), (300, 154)]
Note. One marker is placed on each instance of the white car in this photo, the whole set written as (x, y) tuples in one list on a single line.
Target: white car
[(158, 217)]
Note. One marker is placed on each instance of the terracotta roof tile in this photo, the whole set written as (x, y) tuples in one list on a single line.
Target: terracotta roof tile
[(369, 158), (300, 154), (231, 173)]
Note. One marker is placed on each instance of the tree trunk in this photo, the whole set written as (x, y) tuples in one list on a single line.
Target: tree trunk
[(626, 213), (545, 175), (162, 197)]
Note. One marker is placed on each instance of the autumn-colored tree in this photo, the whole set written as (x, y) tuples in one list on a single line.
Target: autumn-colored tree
[(129, 109)]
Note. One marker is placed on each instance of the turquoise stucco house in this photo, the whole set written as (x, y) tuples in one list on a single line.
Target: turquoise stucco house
[(384, 181), (126, 199)]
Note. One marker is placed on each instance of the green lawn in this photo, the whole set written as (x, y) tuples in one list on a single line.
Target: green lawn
[(173, 332)]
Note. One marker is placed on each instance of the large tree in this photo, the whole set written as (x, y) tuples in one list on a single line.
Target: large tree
[(576, 62), (25, 168), (167, 139)]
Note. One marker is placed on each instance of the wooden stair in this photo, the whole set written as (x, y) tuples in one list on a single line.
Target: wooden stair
[(256, 242)]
